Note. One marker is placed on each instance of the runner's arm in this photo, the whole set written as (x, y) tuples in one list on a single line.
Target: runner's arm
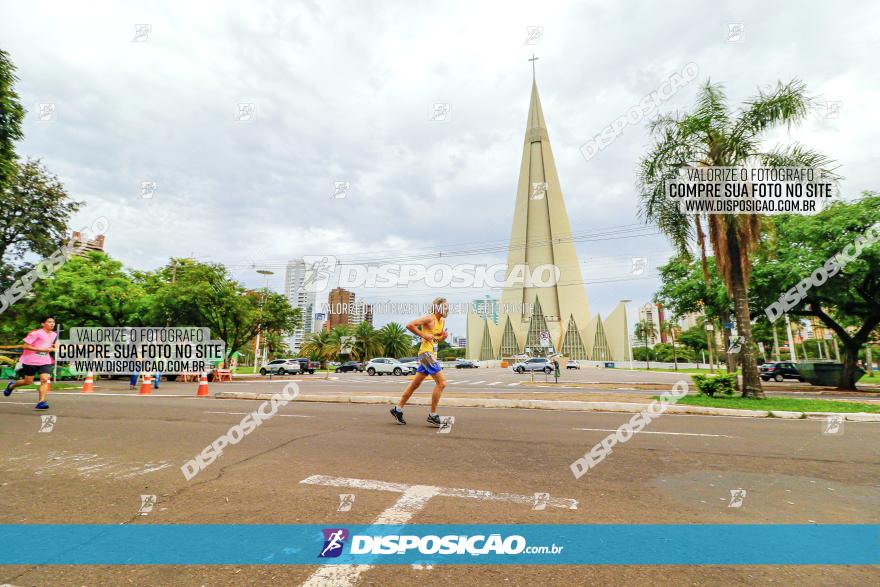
[(30, 347), (425, 333)]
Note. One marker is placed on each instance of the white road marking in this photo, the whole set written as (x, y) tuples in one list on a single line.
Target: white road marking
[(476, 382), (246, 413), (87, 464), (570, 504), (413, 499), (512, 384), (493, 383), (458, 382), (119, 394), (669, 433), (265, 381)]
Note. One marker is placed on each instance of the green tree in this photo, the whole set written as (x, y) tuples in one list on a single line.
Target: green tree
[(11, 117), (646, 329), (322, 346), (31, 190), (189, 293), (92, 290), (340, 334), (670, 329), (367, 343), (395, 340), (847, 303), (694, 339), (713, 136)]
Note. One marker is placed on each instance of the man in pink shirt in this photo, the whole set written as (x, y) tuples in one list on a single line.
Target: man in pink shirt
[(36, 360)]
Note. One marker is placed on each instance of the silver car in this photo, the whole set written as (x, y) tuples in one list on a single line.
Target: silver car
[(536, 364), (281, 367), (384, 366)]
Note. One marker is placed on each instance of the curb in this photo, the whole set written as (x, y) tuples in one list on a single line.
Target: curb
[(569, 406)]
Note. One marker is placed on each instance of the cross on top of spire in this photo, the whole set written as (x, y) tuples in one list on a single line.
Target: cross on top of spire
[(533, 59)]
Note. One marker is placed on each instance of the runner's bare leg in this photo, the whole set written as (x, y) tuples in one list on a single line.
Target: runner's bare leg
[(44, 386), (413, 385), (26, 381), (439, 386)]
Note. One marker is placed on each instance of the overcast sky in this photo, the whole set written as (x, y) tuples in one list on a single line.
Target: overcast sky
[(343, 91)]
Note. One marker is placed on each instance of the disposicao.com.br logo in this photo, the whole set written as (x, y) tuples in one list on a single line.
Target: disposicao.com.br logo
[(402, 544)]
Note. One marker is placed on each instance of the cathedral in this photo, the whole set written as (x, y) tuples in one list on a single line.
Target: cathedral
[(540, 319)]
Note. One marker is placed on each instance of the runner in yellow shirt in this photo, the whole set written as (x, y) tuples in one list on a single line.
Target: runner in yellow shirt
[(432, 330)]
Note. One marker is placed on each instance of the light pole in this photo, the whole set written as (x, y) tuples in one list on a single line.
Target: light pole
[(266, 273)]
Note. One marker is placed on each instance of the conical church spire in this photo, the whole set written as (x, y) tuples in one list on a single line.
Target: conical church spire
[(541, 234)]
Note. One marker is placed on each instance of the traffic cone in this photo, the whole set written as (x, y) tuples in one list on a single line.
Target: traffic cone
[(146, 384), (203, 385), (89, 383)]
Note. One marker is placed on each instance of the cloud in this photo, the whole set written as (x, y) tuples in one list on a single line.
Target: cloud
[(343, 92)]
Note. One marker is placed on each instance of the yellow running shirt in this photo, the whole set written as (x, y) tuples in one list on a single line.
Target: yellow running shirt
[(431, 347)]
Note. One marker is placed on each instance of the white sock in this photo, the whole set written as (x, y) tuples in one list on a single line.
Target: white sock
[(432, 414)]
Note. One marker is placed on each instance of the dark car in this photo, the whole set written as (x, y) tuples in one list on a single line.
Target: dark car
[(465, 364), (779, 371), (350, 366), (307, 366)]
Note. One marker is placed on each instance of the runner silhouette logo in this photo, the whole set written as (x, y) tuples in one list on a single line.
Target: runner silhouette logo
[(334, 540)]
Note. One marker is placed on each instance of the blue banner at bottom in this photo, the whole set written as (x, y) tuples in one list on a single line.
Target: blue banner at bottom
[(501, 544)]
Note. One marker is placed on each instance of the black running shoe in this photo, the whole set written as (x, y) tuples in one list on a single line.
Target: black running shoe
[(435, 421), (398, 415), (8, 391)]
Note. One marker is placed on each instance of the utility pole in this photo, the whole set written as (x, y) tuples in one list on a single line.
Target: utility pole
[(775, 344), (791, 350)]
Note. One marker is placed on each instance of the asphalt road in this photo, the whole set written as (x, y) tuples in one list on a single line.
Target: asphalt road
[(105, 451)]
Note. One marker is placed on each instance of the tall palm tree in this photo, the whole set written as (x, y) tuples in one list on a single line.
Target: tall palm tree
[(396, 340), (338, 334), (366, 342), (670, 328), (713, 136), (322, 346), (645, 329)]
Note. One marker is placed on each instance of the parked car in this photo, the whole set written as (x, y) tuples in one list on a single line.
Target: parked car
[(281, 367), (572, 364), (307, 366), (350, 366), (465, 364), (412, 362), (385, 366), (779, 371), (535, 364)]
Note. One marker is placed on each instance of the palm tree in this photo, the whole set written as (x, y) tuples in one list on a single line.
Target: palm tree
[(645, 329), (366, 342), (667, 327), (322, 346), (338, 334), (712, 136), (396, 340)]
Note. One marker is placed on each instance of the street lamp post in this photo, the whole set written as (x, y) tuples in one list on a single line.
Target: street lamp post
[(266, 273)]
